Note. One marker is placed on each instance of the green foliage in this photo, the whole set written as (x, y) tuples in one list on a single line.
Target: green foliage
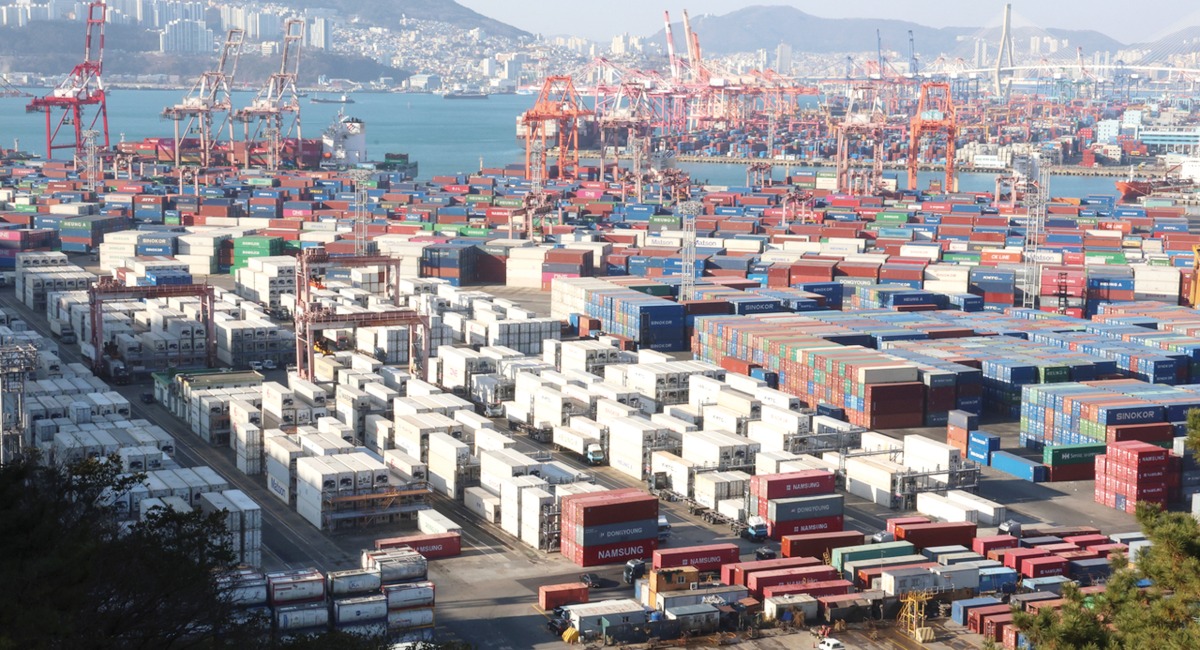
[(1193, 431), (74, 577), (1124, 615)]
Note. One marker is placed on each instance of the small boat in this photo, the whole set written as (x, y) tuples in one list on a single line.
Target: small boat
[(330, 100)]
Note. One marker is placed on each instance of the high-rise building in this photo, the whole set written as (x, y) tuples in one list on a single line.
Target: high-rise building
[(783, 58), (189, 36), (319, 34), (620, 44)]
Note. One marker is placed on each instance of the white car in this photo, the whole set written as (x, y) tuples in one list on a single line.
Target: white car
[(256, 365), (269, 364), (831, 644)]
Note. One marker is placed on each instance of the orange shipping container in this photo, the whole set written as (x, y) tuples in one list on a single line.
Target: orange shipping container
[(571, 593), (990, 257)]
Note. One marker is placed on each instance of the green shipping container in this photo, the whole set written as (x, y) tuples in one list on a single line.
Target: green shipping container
[(508, 202), (960, 258), (653, 289), (839, 557), (469, 231), (1072, 454), (1105, 256)]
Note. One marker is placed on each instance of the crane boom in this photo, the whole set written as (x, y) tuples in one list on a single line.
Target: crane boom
[(671, 48), (689, 42)]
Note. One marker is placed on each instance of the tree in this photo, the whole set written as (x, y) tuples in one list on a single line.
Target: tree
[(72, 576), (1125, 614)]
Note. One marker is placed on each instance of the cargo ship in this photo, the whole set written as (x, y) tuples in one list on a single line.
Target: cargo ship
[(1132, 189), (344, 99), (465, 94), (344, 146)]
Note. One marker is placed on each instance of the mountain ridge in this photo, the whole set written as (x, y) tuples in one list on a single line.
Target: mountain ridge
[(766, 26)]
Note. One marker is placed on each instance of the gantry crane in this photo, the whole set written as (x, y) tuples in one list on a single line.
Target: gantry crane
[(275, 100), (935, 115), (107, 289), (311, 318), (626, 119), (561, 104), (864, 121), (81, 93), (210, 95), (798, 205)]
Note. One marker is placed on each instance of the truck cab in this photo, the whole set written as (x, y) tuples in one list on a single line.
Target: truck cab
[(664, 528), (595, 455), (634, 569), (1010, 527), (756, 529)]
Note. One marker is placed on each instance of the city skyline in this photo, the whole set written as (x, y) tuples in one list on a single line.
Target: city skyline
[(1153, 19)]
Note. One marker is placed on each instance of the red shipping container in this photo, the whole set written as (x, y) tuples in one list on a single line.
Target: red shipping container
[(705, 558), (985, 545), (1040, 567), (760, 580), (1106, 549), (956, 533), (1061, 547), (993, 626), (814, 589), (612, 507), (1071, 556), (792, 484), (735, 574), (552, 596), (1015, 557), (818, 544), (617, 553), (977, 615), (433, 546), (777, 529), (1010, 637), (1075, 472)]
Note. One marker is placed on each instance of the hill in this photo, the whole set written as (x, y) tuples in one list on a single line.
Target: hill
[(388, 13), (752, 28)]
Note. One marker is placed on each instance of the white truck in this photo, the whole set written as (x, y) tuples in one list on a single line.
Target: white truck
[(756, 529), (62, 330), (582, 443), (489, 392)]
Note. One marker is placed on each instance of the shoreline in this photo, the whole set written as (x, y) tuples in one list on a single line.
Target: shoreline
[(1057, 170)]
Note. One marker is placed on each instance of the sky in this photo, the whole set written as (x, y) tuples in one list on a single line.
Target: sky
[(602, 19)]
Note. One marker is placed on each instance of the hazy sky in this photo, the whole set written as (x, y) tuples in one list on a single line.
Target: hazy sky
[(1126, 21)]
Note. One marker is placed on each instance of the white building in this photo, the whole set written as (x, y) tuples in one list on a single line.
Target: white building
[(189, 36)]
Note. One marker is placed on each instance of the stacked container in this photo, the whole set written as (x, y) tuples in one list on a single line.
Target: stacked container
[(609, 527), (248, 248), (1130, 472)]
